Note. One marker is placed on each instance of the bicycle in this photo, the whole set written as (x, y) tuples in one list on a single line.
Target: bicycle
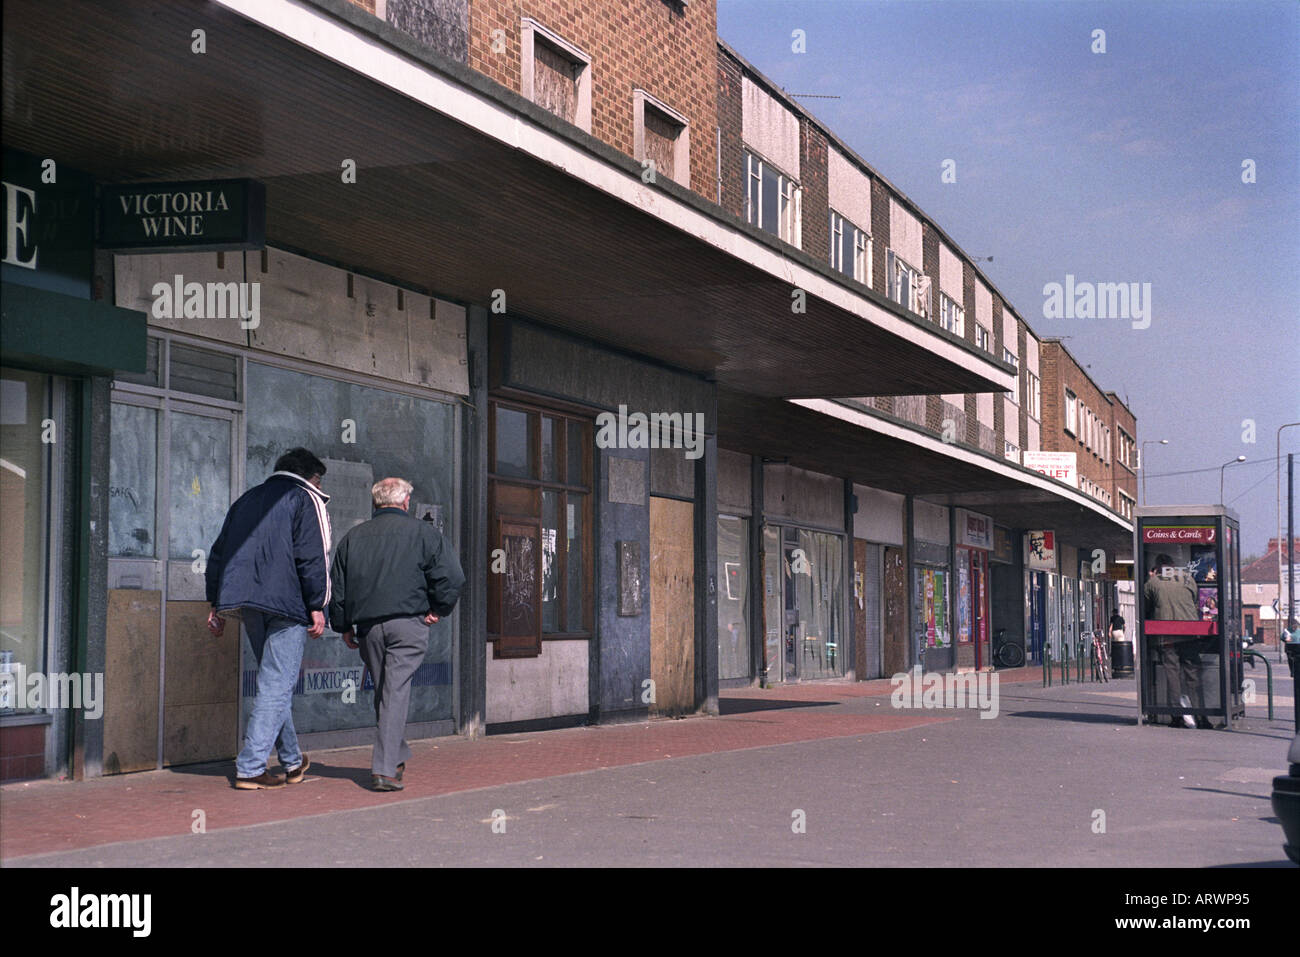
[(1006, 654), (1100, 669)]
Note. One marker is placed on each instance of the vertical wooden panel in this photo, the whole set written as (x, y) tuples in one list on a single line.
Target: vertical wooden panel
[(132, 630), (201, 690), (895, 598), (672, 605)]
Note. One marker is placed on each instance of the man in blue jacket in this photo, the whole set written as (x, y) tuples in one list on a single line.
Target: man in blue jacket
[(270, 567)]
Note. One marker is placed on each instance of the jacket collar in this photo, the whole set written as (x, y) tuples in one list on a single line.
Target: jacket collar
[(390, 509), (303, 483)]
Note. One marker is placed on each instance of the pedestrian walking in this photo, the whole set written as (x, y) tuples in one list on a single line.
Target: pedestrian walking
[(1170, 595), (269, 567), (393, 576)]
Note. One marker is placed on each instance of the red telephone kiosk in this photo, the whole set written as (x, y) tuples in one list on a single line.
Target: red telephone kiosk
[(1188, 575)]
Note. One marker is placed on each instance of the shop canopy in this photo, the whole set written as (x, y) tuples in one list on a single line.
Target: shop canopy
[(462, 189)]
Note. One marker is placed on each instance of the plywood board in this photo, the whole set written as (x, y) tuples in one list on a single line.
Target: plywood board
[(672, 605), (201, 693), (895, 599), (132, 629)]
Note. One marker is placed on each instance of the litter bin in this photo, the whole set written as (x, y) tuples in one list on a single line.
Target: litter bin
[(1121, 659)]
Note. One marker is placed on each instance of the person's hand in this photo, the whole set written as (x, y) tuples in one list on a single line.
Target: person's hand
[(349, 639), (430, 618), (216, 624), (317, 624)]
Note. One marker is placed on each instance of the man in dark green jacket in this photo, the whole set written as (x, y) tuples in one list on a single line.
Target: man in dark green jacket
[(392, 577)]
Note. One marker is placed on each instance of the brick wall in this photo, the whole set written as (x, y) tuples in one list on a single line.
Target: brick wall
[(814, 179), (731, 119), (666, 49)]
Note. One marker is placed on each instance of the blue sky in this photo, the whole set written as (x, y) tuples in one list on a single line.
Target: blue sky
[(1123, 166)]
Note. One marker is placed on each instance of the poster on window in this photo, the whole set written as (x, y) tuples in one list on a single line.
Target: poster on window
[(963, 600), (932, 589)]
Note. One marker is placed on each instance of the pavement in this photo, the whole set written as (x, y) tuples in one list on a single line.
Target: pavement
[(824, 773)]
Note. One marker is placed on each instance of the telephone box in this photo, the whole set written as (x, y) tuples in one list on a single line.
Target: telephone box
[(1187, 569)]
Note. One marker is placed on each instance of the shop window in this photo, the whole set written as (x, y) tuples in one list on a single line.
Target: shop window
[(25, 473), (733, 597), (555, 74), (539, 505), (133, 482)]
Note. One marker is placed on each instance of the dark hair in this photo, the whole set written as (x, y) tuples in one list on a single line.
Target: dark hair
[(1163, 559), (300, 462)]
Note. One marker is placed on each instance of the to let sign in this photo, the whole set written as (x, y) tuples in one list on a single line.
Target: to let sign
[(200, 216)]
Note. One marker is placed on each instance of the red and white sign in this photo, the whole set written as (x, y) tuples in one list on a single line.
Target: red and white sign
[(1040, 550), (1062, 466), (974, 530), (1178, 534)]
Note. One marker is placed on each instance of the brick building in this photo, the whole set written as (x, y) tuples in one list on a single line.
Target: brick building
[(489, 226)]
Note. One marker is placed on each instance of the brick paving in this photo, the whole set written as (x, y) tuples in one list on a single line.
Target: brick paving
[(46, 816)]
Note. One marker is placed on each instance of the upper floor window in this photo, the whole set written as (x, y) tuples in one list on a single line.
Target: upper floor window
[(1034, 395), (952, 316), (771, 199), (1010, 357), (1071, 413), (1010, 451), (555, 74), (661, 136), (907, 286), (850, 249), (982, 339)]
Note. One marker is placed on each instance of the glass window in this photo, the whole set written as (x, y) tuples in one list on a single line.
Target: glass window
[(982, 338), (575, 452), (24, 486), (514, 443), (819, 604), (575, 556), (550, 563), (733, 597), (199, 482), (397, 435), (132, 483), (550, 465)]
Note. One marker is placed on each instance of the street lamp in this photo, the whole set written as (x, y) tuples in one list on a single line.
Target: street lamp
[(1143, 463), (1239, 458)]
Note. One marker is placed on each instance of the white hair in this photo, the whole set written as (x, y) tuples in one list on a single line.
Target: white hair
[(390, 491)]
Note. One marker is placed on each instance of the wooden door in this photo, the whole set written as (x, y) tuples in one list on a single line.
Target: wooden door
[(672, 605), (895, 600)]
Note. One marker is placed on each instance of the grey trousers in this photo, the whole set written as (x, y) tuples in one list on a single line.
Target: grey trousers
[(392, 650)]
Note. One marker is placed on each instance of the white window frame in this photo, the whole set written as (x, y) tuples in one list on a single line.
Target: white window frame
[(952, 316), (789, 225), (861, 248), (1033, 395), (1010, 357), (983, 338), (1010, 450), (642, 101), (895, 266), (529, 33), (1071, 423)]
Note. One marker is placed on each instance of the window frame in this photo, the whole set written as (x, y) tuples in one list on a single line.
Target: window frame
[(532, 487), (948, 308), (789, 226), (1071, 422), (983, 338), (861, 248), (642, 101), (530, 31)]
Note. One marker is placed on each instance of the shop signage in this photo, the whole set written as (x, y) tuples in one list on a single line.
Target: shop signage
[(1002, 548), (1119, 573), (974, 530), (49, 212), (1040, 550), (1203, 534), (197, 216), (1062, 466)]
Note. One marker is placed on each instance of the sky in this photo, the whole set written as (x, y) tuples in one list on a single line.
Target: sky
[(1117, 166)]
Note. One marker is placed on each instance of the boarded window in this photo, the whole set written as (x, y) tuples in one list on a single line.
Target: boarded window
[(661, 134), (555, 81)]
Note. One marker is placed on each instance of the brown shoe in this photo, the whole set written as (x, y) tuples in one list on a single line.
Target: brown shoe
[(380, 783), (263, 781), (295, 775)]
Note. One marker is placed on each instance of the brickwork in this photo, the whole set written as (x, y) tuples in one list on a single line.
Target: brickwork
[(879, 236), (731, 113), (816, 191), (668, 50)]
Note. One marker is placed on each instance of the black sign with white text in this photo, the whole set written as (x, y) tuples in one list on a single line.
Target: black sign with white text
[(198, 216)]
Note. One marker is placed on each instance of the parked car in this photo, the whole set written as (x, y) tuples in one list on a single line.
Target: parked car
[(1286, 801)]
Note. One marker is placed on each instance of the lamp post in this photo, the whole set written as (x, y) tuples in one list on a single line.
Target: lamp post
[(1239, 458), (1143, 463), (1286, 612)]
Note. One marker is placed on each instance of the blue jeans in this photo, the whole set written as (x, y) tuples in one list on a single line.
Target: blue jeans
[(278, 645)]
